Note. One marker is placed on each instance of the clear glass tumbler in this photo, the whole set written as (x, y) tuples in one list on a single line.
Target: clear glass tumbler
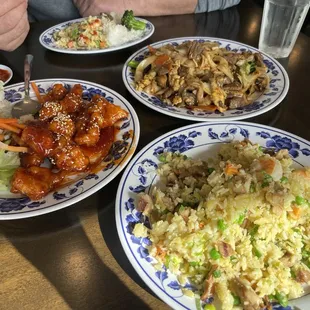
[(281, 24)]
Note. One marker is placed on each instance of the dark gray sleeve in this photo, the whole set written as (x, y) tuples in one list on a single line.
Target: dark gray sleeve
[(214, 5), (51, 9)]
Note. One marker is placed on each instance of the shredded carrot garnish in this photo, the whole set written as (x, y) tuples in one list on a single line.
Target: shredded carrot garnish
[(295, 214), (231, 170), (70, 44), (36, 91), (20, 126), (10, 123), (8, 120), (10, 128), (151, 49), (268, 165), (161, 59), (11, 148), (210, 108), (160, 252), (201, 225), (17, 139)]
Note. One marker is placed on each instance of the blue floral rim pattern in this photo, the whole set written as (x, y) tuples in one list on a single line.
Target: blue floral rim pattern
[(140, 175)]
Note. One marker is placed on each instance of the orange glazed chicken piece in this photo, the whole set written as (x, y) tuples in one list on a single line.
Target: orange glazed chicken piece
[(30, 159), (68, 156), (105, 113), (77, 89), (113, 113), (58, 92), (35, 182), (49, 110), (38, 138), (62, 124), (99, 114), (73, 100), (88, 136)]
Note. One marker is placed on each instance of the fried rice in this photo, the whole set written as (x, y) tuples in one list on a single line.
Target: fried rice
[(235, 227)]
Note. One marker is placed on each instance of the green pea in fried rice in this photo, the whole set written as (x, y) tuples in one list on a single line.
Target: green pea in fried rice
[(236, 227)]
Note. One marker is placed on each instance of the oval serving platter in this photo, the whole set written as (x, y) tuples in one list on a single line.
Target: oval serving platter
[(46, 39), (196, 141), (126, 140), (278, 87)]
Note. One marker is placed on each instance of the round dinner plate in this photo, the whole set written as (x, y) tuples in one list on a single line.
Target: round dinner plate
[(278, 87), (126, 140), (46, 39), (202, 141), (3, 67)]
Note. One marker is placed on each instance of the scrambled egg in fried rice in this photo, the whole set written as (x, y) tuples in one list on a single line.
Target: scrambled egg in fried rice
[(236, 227)]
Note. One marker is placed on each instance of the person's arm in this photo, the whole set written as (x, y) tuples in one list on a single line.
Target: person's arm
[(14, 25), (214, 5), (139, 7)]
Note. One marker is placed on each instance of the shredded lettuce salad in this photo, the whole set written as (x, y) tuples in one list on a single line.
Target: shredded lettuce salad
[(9, 161), (1, 90)]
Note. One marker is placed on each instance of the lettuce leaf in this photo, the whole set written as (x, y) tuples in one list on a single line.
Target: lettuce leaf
[(1, 90), (9, 161)]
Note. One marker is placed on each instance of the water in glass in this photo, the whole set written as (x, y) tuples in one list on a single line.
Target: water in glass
[(281, 24)]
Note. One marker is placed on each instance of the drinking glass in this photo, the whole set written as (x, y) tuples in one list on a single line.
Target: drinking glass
[(281, 24)]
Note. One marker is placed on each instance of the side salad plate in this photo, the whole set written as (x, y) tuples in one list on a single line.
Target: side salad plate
[(206, 66), (126, 137), (166, 264)]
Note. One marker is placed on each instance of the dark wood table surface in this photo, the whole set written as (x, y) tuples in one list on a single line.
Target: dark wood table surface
[(72, 258)]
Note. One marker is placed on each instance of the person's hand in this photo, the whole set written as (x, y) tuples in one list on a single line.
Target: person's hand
[(14, 25)]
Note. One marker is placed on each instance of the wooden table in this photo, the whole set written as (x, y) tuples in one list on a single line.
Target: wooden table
[(72, 258)]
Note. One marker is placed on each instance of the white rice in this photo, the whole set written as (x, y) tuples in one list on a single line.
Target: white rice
[(117, 34)]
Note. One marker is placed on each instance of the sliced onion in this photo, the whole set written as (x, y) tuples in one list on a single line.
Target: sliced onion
[(6, 147), (253, 96), (226, 71), (206, 88), (210, 61), (142, 65), (200, 94)]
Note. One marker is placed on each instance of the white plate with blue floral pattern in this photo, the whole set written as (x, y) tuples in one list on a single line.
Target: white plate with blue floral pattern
[(126, 140), (278, 87), (10, 72), (46, 39), (197, 141)]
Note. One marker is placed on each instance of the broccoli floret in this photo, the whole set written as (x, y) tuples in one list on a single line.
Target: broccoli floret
[(130, 22)]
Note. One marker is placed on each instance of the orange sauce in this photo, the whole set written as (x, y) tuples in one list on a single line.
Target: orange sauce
[(4, 75), (99, 152), (101, 149)]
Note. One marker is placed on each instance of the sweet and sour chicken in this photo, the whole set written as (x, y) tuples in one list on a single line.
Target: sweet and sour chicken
[(66, 134)]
